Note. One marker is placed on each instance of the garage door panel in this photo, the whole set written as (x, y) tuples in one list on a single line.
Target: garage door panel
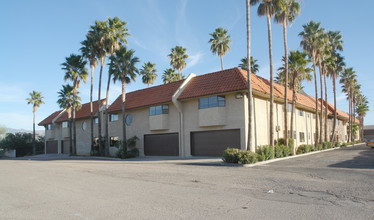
[(161, 144), (52, 147), (66, 146), (213, 143)]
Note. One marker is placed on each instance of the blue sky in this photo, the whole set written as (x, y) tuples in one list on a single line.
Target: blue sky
[(36, 36)]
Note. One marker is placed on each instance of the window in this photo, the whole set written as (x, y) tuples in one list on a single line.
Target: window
[(302, 136), (128, 119), (158, 110), (51, 127), (309, 135), (211, 102), (301, 113), (113, 141), (308, 115), (314, 116), (84, 126), (294, 134), (113, 117), (65, 124), (289, 107), (96, 120)]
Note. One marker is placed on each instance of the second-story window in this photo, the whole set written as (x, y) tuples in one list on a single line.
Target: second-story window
[(65, 124), (159, 109), (51, 127), (113, 117), (301, 113), (213, 101), (96, 120)]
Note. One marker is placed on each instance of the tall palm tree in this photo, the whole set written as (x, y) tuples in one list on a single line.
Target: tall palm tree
[(35, 99), (99, 34), (361, 109), (286, 12), (348, 80), (122, 67), (355, 98), (254, 65), (169, 76), (75, 71), (116, 37), (266, 8), (149, 73), (298, 71), (335, 66), (220, 43), (310, 42), (249, 78), (178, 58), (65, 101), (89, 52)]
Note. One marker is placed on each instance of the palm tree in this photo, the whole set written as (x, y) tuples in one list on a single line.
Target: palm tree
[(249, 71), (348, 81), (65, 101), (244, 64), (298, 71), (309, 43), (75, 70), (149, 73), (286, 12), (266, 8), (123, 68), (335, 67), (355, 98), (89, 51), (169, 76), (361, 109), (178, 58), (220, 43), (99, 34), (36, 99), (116, 37)]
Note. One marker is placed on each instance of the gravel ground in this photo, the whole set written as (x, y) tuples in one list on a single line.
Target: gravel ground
[(336, 184)]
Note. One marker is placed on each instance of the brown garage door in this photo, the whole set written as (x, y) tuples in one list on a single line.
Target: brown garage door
[(65, 146), (213, 143), (161, 144), (52, 147)]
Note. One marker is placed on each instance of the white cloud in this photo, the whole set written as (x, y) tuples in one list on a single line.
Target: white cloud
[(194, 59)]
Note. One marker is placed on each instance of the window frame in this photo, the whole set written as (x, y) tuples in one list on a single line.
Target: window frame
[(212, 101), (302, 136), (111, 117), (301, 113), (65, 124), (159, 110)]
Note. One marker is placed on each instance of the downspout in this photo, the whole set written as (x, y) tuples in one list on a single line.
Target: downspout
[(179, 108)]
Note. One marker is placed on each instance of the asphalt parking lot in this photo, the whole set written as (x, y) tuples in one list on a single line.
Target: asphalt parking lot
[(338, 184)]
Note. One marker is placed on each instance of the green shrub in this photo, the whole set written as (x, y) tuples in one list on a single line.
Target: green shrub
[(231, 155), (305, 148), (337, 144), (22, 143), (278, 151), (290, 144), (286, 150), (265, 152), (327, 145), (127, 149), (345, 144), (247, 157), (312, 148), (357, 142)]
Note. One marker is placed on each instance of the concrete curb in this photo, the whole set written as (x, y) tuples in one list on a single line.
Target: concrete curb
[(284, 158)]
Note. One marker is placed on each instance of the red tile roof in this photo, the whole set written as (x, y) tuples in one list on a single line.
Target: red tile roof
[(146, 97), (49, 119), (83, 112)]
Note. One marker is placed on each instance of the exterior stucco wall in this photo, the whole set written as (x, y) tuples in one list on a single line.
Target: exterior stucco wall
[(234, 114)]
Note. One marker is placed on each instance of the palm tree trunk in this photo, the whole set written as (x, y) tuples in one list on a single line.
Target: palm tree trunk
[(70, 131), (271, 83), (33, 133), (324, 78), (107, 119), (334, 125), (221, 62), (285, 83), (249, 139), (353, 118), (91, 110), (124, 139), (180, 74), (74, 126), (99, 112), (349, 117), (321, 119), (316, 99), (293, 116)]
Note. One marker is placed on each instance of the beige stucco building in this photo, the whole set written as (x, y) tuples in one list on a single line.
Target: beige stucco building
[(199, 116)]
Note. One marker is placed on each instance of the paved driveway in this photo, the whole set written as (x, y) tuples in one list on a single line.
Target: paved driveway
[(337, 184)]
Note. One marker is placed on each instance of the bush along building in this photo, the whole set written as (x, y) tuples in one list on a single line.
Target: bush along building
[(198, 116)]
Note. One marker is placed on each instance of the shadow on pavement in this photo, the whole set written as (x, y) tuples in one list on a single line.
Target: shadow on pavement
[(364, 161)]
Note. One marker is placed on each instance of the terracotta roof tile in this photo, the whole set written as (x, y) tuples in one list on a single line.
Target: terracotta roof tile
[(49, 119), (83, 112), (146, 97)]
